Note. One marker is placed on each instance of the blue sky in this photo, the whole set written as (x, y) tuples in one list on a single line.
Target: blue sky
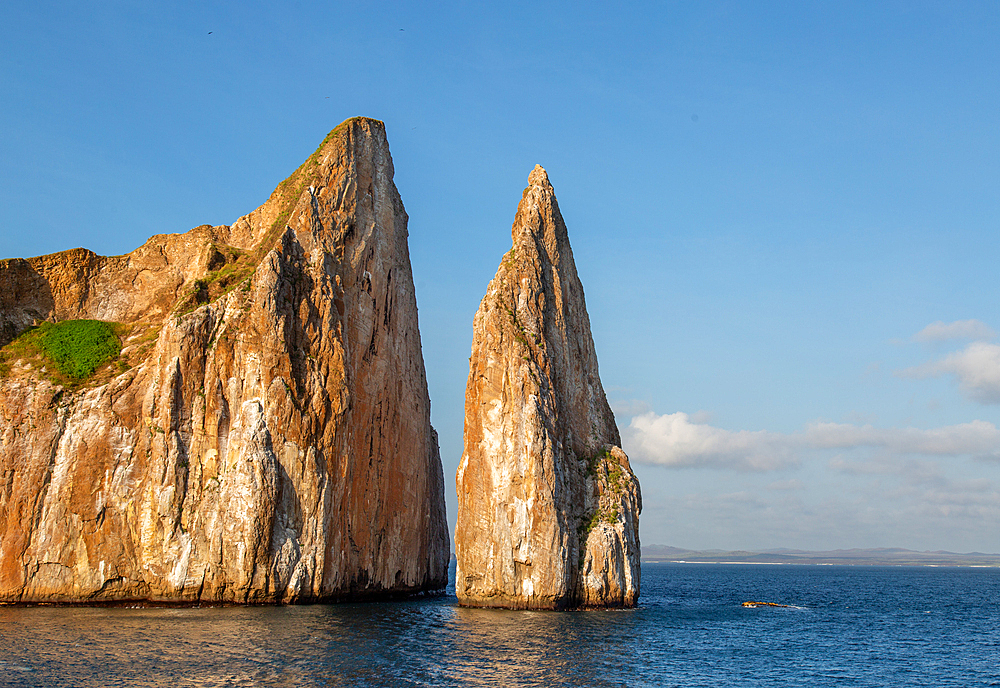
[(768, 204)]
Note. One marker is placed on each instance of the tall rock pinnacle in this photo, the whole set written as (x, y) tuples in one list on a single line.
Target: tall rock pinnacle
[(548, 507), (264, 434)]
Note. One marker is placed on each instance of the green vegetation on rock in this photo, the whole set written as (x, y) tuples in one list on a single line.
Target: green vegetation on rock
[(75, 348), (601, 459), (291, 188), (230, 266), (603, 468)]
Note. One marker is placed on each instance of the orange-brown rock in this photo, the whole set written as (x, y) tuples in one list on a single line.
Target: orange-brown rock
[(267, 435), (548, 507)]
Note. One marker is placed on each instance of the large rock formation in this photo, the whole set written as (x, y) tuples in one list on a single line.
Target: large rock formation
[(265, 434), (548, 507)]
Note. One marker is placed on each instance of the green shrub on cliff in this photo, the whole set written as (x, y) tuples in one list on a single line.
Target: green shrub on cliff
[(75, 348), (79, 347)]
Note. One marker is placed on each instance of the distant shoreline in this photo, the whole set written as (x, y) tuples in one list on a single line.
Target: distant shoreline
[(824, 563), (661, 554)]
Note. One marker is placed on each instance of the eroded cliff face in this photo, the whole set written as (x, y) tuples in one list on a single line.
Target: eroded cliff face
[(266, 434), (548, 506)]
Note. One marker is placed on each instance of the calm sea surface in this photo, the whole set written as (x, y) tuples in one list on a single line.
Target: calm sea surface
[(850, 626)]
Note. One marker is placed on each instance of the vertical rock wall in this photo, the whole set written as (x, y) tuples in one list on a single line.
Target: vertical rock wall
[(269, 439), (547, 503)]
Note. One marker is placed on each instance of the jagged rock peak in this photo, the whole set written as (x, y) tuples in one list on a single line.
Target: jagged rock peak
[(264, 433), (539, 177), (548, 504)]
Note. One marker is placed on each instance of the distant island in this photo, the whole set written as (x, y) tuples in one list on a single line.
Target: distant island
[(882, 556)]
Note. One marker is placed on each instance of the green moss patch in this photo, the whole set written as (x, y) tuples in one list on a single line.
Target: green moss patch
[(73, 350)]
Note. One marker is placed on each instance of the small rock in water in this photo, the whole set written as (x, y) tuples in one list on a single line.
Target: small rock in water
[(754, 605)]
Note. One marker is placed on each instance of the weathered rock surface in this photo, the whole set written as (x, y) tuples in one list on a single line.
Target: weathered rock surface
[(269, 438), (548, 507)]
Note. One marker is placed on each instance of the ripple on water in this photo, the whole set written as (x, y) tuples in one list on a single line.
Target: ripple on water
[(857, 626)]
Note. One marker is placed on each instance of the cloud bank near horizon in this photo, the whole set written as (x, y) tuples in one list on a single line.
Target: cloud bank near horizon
[(843, 484), (674, 440)]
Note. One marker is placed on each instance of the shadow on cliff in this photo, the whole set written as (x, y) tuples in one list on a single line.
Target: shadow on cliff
[(25, 296)]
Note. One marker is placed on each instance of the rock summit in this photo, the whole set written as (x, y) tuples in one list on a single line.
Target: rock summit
[(548, 505)]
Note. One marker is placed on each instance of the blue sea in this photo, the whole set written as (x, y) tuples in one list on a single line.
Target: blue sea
[(846, 626)]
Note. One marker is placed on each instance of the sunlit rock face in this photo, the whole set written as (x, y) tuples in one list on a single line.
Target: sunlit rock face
[(548, 507), (266, 434)]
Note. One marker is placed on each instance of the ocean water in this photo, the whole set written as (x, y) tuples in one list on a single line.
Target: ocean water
[(848, 626)]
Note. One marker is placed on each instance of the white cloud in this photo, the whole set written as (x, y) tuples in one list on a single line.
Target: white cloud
[(976, 368), (674, 440), (960, 329), (978, 438)]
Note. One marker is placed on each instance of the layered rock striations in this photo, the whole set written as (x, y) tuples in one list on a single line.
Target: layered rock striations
[(548, 505), (265, 434)]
